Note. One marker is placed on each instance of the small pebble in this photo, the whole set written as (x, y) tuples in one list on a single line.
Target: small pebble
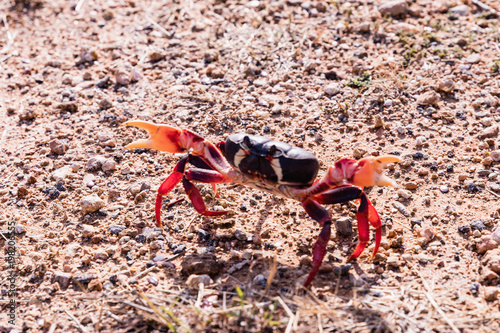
[(444, 189), (153, 280), (491, 293), (305, 260), (88, 231), (401, 208), (495, 155), (52, 192), (378, 121), (344, 226), (57, 147), (116, 229), (404, 194), (428, 98), (179, 248), (332, 89), (260, 280), (477, 224), (485, 243), (122, 77), (62, 278), (240, 235), (203, 235), (159, 257), (91, 203), (474, 287), (411, 185), (465, 229), (393, 8), (473, 58)]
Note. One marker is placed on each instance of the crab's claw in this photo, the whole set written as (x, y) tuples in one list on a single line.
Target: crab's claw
[(369, 171), (164, 137)]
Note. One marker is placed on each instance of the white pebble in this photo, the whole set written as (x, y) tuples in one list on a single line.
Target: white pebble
[(332, 89), (420, 140), (495, 155)]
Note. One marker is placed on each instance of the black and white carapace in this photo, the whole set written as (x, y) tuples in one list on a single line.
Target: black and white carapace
[(271, 161)]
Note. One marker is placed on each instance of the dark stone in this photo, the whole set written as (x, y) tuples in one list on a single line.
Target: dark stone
[(465, 229), (104, 83), (418, 155), (60, 187), (344, 226), (415, 222), (84, 278), (474, 287), (68, 107), (116, 229), (52, 192), (140, 238), (473, 188), (477, 224), (203, 235), (342, 270)]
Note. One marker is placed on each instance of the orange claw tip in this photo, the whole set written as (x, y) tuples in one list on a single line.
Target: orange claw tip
[(380, 163), (386, 159), (162, 137)]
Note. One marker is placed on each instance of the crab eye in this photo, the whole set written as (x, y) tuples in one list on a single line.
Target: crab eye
[(273, 152), (246, 144)]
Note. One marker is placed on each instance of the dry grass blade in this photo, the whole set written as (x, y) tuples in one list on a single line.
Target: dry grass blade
[(144, 272), (289, 313), (79, 5), (79, 325), (270, 278), (159, 27), (483, 6), (491, 192), (52, 328), (164, 320)]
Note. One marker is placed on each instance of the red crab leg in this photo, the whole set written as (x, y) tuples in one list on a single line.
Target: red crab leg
[(320, 215), (366, 215), (197, 201), (168, 185), (202, 175)]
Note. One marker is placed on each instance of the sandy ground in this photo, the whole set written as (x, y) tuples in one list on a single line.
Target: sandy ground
[(419, 80)]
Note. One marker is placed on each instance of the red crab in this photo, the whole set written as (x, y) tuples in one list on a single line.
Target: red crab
[(274, 167)]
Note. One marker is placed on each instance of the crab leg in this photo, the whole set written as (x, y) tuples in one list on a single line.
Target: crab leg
[(320, 215), (202, 175), (366, 215), (168, 185), (197, 201)]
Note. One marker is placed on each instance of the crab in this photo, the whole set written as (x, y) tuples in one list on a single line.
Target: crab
[(274, 167)]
